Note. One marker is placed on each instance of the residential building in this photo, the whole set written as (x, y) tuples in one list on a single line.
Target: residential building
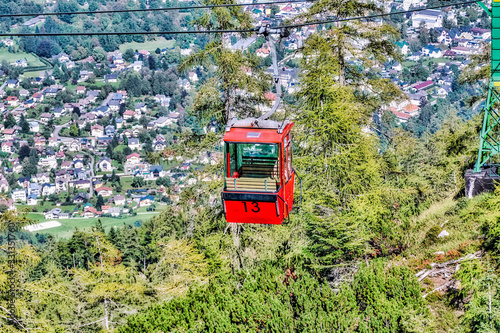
[(431, 18), (19, 195), (104, 164), (104, 191)]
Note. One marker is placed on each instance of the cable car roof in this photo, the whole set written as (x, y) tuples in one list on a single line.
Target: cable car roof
[(256, 134)]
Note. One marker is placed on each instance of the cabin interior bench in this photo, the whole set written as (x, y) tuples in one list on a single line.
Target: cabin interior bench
[(259, 167), (251, 184)]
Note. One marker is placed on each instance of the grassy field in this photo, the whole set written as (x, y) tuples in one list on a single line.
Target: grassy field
[(32, 74), (46, 205), (68, 226), (436, 61), (150, 46), (12, 57)]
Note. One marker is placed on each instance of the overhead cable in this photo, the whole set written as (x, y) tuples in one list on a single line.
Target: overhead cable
[(111, 11), (291, 26)]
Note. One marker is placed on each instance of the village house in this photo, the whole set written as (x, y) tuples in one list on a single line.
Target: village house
[(9, 133), (129, 114), (133, 158), (431, 18), (45, 117), (12, 101), (111, 78), (74, 145), (80, 89), (42, 177), (80, 198), (61, 57), (137, 65), (114, 105), (104, 191), (66, 165), (134, 143), (17, 168), (423, 85), (48, 189), (18, 195), (263, 52), (4, 184), (146, 201), (37, 97), (53, 213), (114, 211), (84, 75), (34, 126), (32, 199), (119, 200), (7, 42), (403, 46), (140, 108), (12, 83), (159, 146), (104, 164), (97, 130), (23, 93), (90, 212), (8, 147), (80, 184), (110, 130)]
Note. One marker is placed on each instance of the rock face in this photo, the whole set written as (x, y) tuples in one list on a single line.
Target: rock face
[(444, 233), (477, 183)]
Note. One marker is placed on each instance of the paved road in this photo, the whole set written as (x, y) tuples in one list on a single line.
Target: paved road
[(58, 128), (106, 100)]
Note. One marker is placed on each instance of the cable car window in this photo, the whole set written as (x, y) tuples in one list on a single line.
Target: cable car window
[(254, 160), (231, 150)]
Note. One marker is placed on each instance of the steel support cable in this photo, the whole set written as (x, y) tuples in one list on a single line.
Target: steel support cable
[(111, 11), (292, 26)]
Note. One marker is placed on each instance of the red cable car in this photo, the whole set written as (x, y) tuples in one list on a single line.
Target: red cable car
[(258, 173)]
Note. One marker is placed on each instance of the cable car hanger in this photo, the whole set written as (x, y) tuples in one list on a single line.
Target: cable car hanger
[(258, 173), (262, 122)]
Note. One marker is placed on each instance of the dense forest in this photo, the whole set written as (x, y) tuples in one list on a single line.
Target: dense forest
[(373, 204), (81, 47)]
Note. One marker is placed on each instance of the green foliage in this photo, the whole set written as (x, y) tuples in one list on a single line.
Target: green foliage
[(431, 238), (386, 299)]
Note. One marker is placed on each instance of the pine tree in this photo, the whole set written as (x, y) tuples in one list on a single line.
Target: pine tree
[(25, 126), (100, 202), (229, 75)]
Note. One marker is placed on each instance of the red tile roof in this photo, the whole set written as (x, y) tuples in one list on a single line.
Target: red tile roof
[(424, 85), (401, 115)]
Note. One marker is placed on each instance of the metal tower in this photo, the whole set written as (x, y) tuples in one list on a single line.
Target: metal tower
[(490, 133)]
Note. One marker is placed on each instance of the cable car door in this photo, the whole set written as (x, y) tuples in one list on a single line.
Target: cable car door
[(288, 173)]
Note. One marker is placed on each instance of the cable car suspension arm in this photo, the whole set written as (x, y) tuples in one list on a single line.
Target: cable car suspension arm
[(266, 32)]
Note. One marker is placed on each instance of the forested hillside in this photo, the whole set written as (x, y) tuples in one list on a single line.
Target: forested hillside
[(81, 47), (376, 197)]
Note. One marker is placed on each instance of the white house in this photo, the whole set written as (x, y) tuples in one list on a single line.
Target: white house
[(19, 195), (431, 18), (105, 164), (48, 189), (34, 126)]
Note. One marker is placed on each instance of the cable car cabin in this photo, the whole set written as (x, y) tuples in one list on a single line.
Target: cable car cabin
[(258, 173)]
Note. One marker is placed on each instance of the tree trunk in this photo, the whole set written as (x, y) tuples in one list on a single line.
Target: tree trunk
[(227, 106), (106, 323)]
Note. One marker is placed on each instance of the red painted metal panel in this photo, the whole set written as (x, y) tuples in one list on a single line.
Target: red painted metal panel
[(252, 212), (262, 212), (239, 134), (289, 187)]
